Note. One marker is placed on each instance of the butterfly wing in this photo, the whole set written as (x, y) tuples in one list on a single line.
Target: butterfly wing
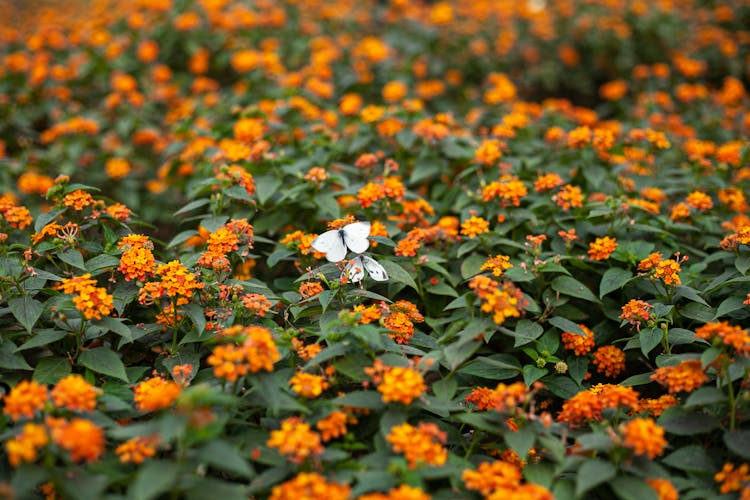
[(374, 269), (355, 270), (331, 244), (355, 236)]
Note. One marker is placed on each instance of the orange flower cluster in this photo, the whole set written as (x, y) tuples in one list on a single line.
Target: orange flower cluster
[(656, 407), (74, 393), (588, 405), (16, 216), (334, 425), (502, 480), (579, 344), (733, 479), (176, 282), (24, 447), (568, 197), (25, 399), (156, 394), (296, 440), (235, 174), (308, 385), (390, 188), (80, 437), (310, 289), (665, 490), (509, 189), (78, 199), (686, 376), (636, 311), (137, 261), (730, 335), (137, 450), (302, 242), (609, 360), (397, 383), (403, 492), (602, 248), (503, 302), (309, 486), (420, 445), (93, 302), (474, 226), (32, 182), (256, 303), (497, 265), (644, 437), (255, 351), (488, 152)]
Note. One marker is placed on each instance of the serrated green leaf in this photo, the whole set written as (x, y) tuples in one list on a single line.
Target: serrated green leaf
[(26, 310), (153, 479), (361, 399), (223, 456), (633, 488), (51, 369), (649, 338), (738, 443), (691, 458), (573, 288), (565, 325), (592, 473), (398, 274), (72, 258), (105, 361), (613, 279)]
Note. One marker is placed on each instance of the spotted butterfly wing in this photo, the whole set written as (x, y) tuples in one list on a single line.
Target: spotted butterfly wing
[(374, 269), (355, 270)]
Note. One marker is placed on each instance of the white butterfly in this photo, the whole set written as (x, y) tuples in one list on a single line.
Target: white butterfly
[(335, 242), (355, 269)]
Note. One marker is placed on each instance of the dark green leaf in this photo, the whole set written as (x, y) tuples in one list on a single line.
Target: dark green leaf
[(153, 479), (361, 399), (572, 287), (614, 279), (398, 274), (592, 473), (26, 310), (102, 261), (705, 396), (649, 338), (561, 386), (527, 331), (51, 369), (633, 488), (566, 325), (42, 338), (72, 258), (520, 441), (223, 456), (688, 424), (10, 359), (691, 458), (197, 316), (532, 373), (105, 361), (738, 443)]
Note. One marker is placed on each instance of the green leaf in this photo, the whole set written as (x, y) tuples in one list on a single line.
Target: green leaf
[(566, 325), (705, 396), (729, 305), (328, 205), (470, 266), (197, 316), (614, 279), (42, 338), (200, 488), (527, 331), (578, 366), (115, 325), (26, 310), (102, 261), (223, 456), (153, 479), (541, 474), (691, 458), (398, 274), (572, 287), (105, 361), (520, 441), (458, 352), (649, 338), (10, 359), (688, 424), (361, 399), (265, 187), (278, 256), (51, 369), (72, 258), (445, 388), (633, 488), (532, 373), (561, 386), (592, 473), (690, 294), (738, 443)]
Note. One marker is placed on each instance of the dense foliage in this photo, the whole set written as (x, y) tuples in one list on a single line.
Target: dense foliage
[(556, 191)]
